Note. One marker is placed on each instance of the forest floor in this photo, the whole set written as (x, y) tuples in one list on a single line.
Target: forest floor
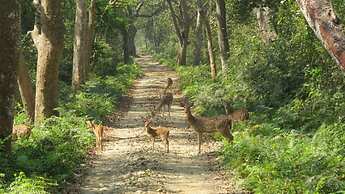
[(129, 165)]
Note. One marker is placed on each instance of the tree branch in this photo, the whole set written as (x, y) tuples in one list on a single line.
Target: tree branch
[(175, 22), (139, 6), (161, 8)]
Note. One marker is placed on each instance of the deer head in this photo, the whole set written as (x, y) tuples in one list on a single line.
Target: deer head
[(185, 103)]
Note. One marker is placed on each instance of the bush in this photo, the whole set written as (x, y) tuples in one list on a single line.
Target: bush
[(47, 159), (294, 141), (99, 96), (55, 147), (288, 162), (53, 151), (25, 185)]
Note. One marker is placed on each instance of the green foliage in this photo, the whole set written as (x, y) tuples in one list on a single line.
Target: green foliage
[(96, 106), (55, 149), (21, 117), (294, 141), (99, 96), (105, 58), (25, 185), (288, 162), (46, 160)]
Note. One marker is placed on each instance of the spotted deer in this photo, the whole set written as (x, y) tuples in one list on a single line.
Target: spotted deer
[(166, 99), (21, 131), (161, 132), (202, 125)]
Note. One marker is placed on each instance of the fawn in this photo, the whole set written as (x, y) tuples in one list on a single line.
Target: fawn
[(166, 99), (202, 125), (20, 131), (98, 130), (162, 132)]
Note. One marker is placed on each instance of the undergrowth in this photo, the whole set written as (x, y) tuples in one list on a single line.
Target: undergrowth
[(286, 149), (46, 160)]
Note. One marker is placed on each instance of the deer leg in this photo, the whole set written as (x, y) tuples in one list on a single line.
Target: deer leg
[(169, 108), (231, 138), (167, 145), (100, 144), (97, 144), (163, 110), (153, 144), (199, 142), (228, 135)]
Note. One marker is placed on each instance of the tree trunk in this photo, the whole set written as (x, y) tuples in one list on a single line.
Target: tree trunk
[(182, 27), (91, 29), (125, 46), (48, 36), (80, 44), (325, 24), (182, 54), (198, 35), (222, 34), (132, 31), (210, 46), (25, 88), (263, 18), (9, 59)]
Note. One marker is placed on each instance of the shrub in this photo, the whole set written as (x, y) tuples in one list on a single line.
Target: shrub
[(99, 96), (289, 162), (25, 185), (56, 148)]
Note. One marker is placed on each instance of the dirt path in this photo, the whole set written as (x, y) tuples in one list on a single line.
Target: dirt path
[(128, 163)]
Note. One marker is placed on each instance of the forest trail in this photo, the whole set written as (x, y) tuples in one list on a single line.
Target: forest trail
[(129, 165)]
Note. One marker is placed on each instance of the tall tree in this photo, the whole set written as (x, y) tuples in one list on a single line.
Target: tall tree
[(91, 26), (132, 31), (9, 59), (125, 45), (83, 41), (321, 18), (48, 36), (26, 89), (263, 15), (198, 34), (182, 24), (80, 43), (223, 41), (129, 32), (206, 22)]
